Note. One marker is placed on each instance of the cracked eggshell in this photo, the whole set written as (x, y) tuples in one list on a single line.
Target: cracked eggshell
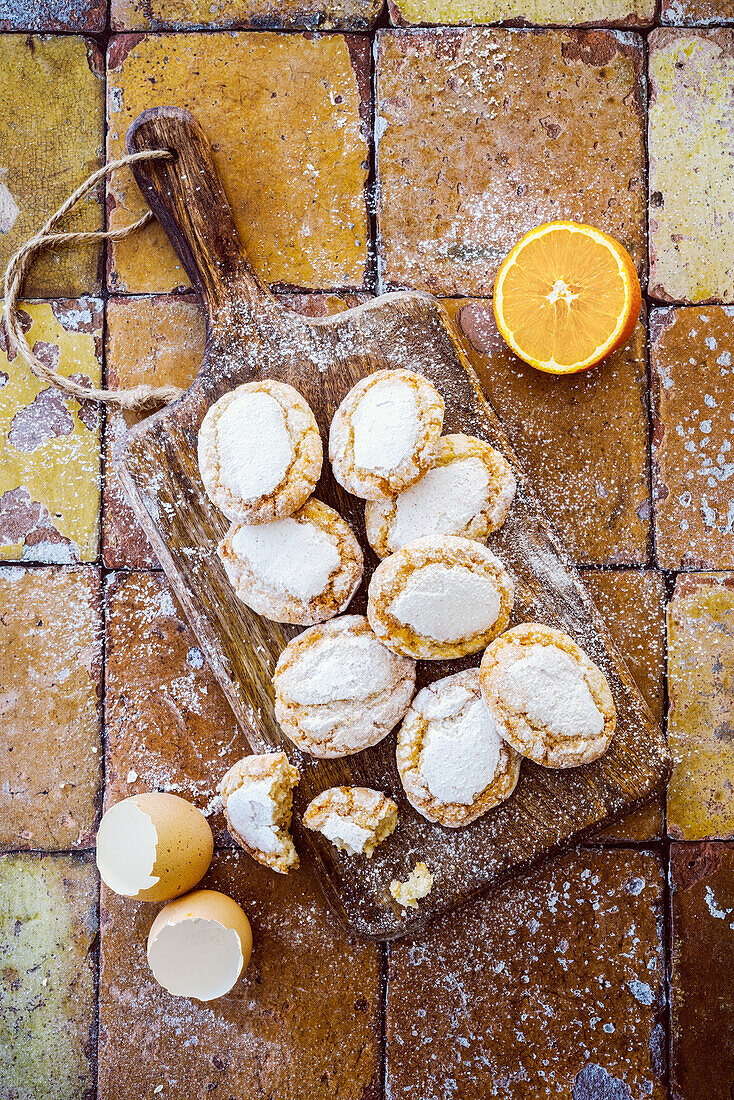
[(153, 847), (199, 945)]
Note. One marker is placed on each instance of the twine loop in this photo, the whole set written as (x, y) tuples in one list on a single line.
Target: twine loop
[(137, 397)]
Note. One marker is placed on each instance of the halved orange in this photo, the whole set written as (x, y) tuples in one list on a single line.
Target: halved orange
[(566, 296)]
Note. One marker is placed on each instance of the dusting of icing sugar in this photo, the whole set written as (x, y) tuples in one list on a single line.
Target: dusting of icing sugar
[(443, 502), (447, 602), (251, 812), (254, 445), (549, 687), (461, 745), (288, 556), (343, 666), (347, 832), (385, 427)]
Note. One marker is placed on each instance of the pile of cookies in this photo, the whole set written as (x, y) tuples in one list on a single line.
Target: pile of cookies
[(438, 593)]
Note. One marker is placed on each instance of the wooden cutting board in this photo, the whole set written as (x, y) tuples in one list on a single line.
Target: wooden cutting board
[(250, 335)]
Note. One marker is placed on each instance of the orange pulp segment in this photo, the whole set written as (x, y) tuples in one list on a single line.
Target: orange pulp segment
[(566, 296)]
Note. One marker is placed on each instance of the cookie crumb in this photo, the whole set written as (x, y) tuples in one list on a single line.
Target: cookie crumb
[(417, 885)]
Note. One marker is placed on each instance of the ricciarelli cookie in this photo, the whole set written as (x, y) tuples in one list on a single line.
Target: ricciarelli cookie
[(439, 597), (468, 491), (354, 819), (452, 761), (260, 452), (549, 701), (385, 433), (338, 690), (257, 793), (303, 569)]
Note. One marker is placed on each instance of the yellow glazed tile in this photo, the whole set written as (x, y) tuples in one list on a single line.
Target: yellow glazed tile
[(618, 13), (49, 443), (152, 15), (700, 719), (51, 139), (287, 118), (691, 146)]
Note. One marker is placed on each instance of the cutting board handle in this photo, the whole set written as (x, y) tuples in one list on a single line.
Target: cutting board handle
[(187, 198)]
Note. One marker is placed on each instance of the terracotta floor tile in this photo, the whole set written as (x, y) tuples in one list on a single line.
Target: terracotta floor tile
[(693, 462), (700, 690), (160, 339), (48, 927), (691, 179), (549, 987), (142, 15), (49, 144), (52, 15), (474, 149), (50, 706), (583, 439), (288, 119), (49, 444), (616, 13), (633, 606), (702, 903), (168, 724), (302, 1023)]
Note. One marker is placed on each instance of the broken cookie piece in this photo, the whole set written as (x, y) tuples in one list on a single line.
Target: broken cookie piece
[(257, 793), (354, 819), (417, 885)]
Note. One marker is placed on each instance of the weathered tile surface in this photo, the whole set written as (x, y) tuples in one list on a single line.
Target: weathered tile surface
[(168, 725), (302, 1022), (48, 925), (697, 12), (693, 401), (617, 13), (274, 14), (52, 15), (633, 606), (700, 719), (702, 904), (287, 117), (515, 150), (582, 439), (50, 700), (51, 139), (552, 986), (49, 443), (691, 122)]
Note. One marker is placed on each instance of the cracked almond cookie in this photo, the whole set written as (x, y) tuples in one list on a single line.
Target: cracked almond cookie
[(260, 452), (354, 819), (303, 569), (257, 793), (385, 433), (439, 597), (550, 702), (468, 491), (338, 690), (453, 763)]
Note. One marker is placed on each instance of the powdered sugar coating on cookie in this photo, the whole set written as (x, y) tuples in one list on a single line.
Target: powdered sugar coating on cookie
[(548, 699), (338, 690), (354, 819), (385, 433), (257, 798), (439, 597), (468, 491), (260, 452), (452, 761), (303, 569)]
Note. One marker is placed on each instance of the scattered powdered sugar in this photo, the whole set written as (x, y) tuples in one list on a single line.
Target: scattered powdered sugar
[(341, 667), (254, 445), (447, 602), (549, 687), (336, 827), (385, 427), (461, 746), (443, 502), (251, 813), (288, 556)]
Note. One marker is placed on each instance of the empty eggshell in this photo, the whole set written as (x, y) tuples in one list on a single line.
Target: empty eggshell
[(199, 945), (153, 847)]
